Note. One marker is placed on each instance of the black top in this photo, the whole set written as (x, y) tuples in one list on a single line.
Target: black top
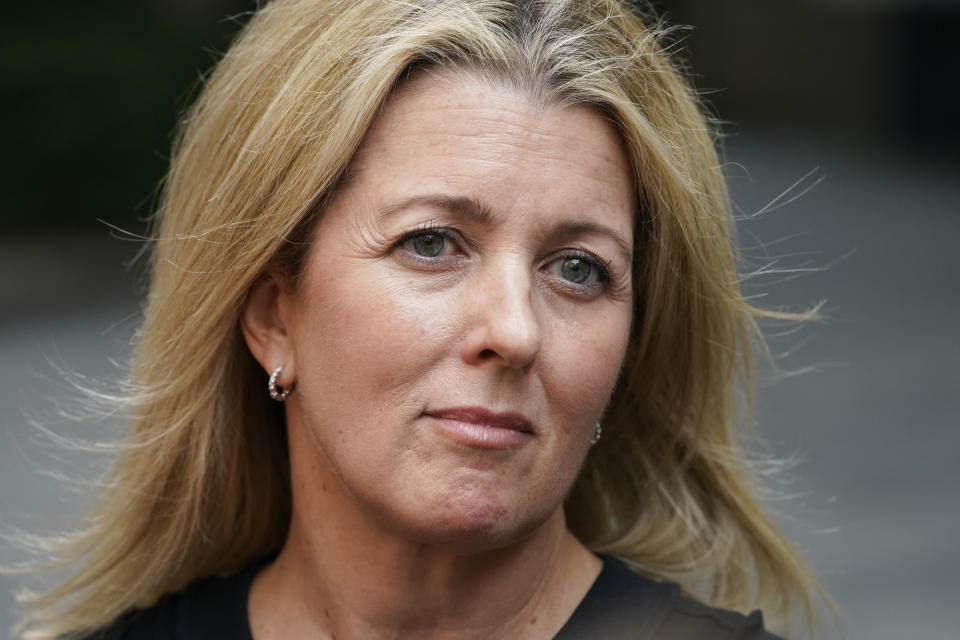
[(620, 605)]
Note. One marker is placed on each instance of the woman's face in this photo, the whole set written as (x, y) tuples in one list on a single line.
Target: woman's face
[(464, 312)]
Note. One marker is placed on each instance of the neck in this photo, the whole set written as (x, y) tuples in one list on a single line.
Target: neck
[(342, 575)]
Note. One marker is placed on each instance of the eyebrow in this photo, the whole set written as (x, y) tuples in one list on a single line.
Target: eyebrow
[(473, 209), (460, 205)]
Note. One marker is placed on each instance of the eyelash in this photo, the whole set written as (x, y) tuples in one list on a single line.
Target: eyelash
[(412, 232), (603, 267)]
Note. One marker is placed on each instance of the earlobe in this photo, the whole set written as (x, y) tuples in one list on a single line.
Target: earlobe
[(263, 326)]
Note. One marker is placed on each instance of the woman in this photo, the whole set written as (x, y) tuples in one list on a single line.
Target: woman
[(443, 304)]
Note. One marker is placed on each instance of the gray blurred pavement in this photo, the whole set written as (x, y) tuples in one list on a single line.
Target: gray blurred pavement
[(867, 400)]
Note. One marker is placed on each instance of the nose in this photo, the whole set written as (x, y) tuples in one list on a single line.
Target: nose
[(504, 324)]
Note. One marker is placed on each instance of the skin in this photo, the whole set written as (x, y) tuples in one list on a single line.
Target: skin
[(401, 526)]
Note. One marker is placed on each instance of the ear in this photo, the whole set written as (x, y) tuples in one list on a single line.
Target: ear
[(264, 328)]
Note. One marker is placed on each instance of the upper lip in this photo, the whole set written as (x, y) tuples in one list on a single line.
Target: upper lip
[(479, 415)]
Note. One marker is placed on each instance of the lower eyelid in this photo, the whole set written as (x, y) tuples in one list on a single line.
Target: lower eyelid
[(441, 259)]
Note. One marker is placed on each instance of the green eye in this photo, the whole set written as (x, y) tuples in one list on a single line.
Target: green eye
[(576, 270), (428, 245)]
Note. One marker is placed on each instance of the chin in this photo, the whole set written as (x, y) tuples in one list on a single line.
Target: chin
[(474, 524)]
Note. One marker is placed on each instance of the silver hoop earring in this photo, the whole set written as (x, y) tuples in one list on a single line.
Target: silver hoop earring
[(278, 393), (596, 435)]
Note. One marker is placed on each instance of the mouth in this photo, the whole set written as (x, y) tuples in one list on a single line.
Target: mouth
[(482, 428)]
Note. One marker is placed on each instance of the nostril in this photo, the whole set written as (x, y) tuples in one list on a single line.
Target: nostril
[(488, 353)]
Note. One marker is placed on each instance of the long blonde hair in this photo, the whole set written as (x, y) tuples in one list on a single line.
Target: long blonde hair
[(201, 486)]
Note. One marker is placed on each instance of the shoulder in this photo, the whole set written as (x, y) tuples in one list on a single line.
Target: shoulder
[(692, 619), (155, 623), (622, 604), (207, 608)]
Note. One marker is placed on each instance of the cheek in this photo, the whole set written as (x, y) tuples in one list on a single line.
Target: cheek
[(583, 363), (366, 331)]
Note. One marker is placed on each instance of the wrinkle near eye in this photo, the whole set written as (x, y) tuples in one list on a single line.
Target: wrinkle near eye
[(365, 237)]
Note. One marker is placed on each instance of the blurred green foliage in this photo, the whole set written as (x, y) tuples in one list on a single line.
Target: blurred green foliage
[(91, 92)]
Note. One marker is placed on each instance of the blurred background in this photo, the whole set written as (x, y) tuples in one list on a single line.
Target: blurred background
[(841, 150)]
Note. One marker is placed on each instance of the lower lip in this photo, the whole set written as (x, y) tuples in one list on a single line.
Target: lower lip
[(482, 435)]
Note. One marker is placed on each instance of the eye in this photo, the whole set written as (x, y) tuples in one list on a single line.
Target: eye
[(576, 270), (429, 247), (428, 244), (580, 272)]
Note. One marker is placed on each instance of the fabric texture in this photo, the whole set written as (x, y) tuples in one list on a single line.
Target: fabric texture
[(620, 605)]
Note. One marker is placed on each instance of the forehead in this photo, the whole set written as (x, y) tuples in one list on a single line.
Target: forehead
[(460, 131), (444, 102)]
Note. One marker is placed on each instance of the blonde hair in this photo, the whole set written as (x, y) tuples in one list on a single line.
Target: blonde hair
[(201, 486)]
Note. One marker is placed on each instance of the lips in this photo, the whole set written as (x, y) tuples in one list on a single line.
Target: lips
[(479, 427), (487, 418)]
